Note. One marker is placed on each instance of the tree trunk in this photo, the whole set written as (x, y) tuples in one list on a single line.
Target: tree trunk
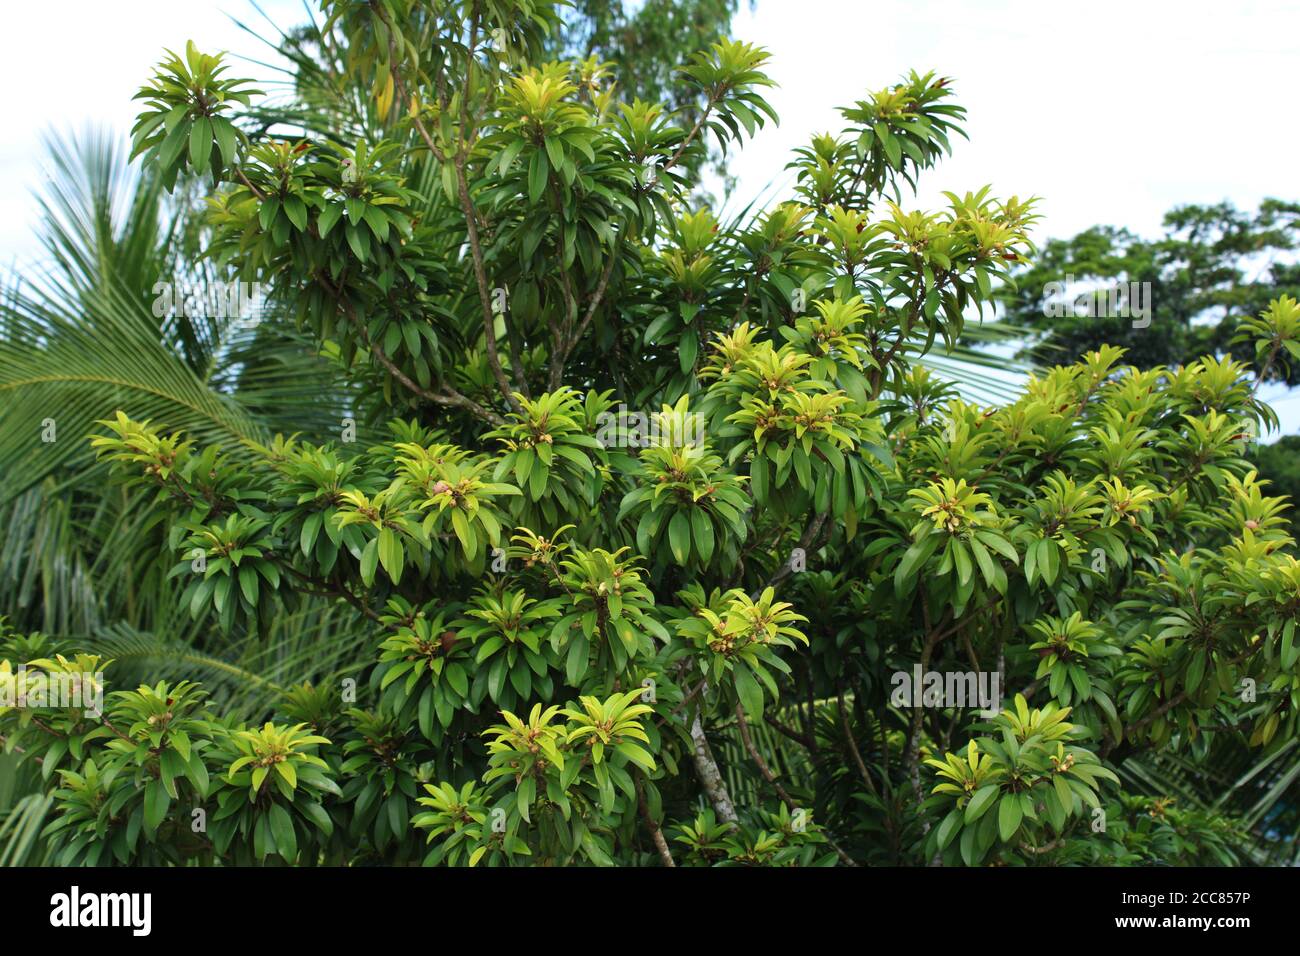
[(710, 777)]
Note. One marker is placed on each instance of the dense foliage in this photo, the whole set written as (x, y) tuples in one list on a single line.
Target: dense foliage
[(642, 516)]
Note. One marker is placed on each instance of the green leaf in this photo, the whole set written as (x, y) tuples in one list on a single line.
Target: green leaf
[(524, 796), (688, 347), (201, 144), (948, 828), (297, 212), (906, 574), (980, 803), (1049, 560), (962, 561), (679, 537), (702, 532), (310, 529), (224, 132), (576, 661), (327, 218), (538, 171), (1196, 670), (317, 814), (984, 560), (1290, 649), (457, 678), (171, 766), (370, 561), (1009, 815), (286, 840), (391, 554), (554, 151), (171, 147), (749, 692), (286, 770), (248, 583), (156, 802), (637, 754)]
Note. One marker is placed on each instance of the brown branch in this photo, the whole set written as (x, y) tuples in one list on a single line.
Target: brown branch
[(571, 340), (880, 374), (448, 396), (19, 750), (107, 723), (695, 130), (853, 748), (805, 542), (1045, 848), (955, 625), (330, 589), (558, 336), (46, 727), (802, 740), (467, 205), (1167, 706), (652, 825), (245, 180), (911, 760), (471, 223), (743, 726), (480, 278), (516, 356), (1268, 366), (684, 702)]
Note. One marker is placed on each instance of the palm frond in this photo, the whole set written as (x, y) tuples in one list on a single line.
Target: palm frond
[(20, 828), (82, 340), (320, 643)]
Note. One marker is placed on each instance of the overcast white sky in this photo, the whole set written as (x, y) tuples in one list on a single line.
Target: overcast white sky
[(1111, 111), (65, 64)]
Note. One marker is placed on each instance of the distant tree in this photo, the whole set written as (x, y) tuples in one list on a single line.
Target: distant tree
[(646, 44), (1280, 464), (1212, 267), (627, 51)]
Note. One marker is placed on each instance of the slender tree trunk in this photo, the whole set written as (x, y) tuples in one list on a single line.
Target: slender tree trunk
[(710, 776), (656, 834)]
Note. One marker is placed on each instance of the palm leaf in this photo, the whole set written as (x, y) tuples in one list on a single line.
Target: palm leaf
[(83, 341)]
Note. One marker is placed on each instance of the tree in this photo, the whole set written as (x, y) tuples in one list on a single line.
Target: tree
[(645, 46), (661, 543), (642, 47), (1213, 267), (1280, 463)]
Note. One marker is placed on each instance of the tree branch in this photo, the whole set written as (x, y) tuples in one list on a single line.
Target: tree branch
[(706, 768), (805, 542), (743, 726), (853, 748), (656, 834), (467, 203), (572, 339)]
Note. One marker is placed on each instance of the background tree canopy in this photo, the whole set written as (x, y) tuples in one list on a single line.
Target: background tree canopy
[(539, 516), (1213, 267)]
